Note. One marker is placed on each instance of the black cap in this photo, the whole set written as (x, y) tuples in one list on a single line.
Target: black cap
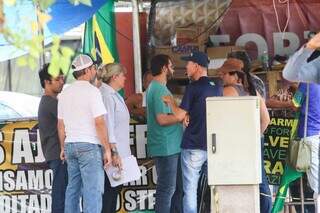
[(200, 58)]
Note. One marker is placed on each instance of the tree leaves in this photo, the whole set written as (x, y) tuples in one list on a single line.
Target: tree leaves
[(10, 2), (22, 61), (1, 16), (43, 18), (60, 58), (44, 4)]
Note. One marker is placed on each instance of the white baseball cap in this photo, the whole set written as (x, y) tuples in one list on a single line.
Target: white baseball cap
[(81, 62)]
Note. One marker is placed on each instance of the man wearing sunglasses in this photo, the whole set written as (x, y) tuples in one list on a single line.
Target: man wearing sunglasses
[(83, 138)]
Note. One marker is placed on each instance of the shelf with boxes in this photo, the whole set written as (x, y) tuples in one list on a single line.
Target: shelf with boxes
[(191, 38), (272, 79)]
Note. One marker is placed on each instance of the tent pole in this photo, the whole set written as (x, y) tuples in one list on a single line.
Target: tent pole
[(9, 75), (136, 46), (40, 32)]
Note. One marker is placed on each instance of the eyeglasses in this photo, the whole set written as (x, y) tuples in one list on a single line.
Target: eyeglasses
[(95, 66), (232, 72), (170, 66)]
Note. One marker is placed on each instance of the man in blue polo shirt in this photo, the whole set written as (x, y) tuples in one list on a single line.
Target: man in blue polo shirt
[(194, 140)]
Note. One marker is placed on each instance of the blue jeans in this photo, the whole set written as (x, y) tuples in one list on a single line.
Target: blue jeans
[(59, 185), (191, 164), (85, 171), (166, 168), (176, 201), (265, 197)]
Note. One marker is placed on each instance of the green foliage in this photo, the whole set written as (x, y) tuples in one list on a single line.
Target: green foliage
[(60, 55), (32, 62), (67, 54), (9, 2), (22, 61), (44, 4), (60, 58)]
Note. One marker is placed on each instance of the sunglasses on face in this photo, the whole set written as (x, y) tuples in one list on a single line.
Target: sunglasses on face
[(95, 66)]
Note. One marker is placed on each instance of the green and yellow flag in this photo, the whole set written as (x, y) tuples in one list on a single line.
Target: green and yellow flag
[(100, 35), (289, 174)]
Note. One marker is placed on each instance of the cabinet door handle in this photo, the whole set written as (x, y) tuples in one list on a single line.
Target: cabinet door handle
[(214, 145)]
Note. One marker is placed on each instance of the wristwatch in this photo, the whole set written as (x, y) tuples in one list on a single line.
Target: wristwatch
[(114, 151)]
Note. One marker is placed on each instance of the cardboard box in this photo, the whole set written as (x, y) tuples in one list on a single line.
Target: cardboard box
[(221, 52), (218, 55), (186, 35), (191, 35), (176, 53)]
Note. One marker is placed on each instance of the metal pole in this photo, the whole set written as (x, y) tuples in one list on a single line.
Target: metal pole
[(40, 32), (136, 46), (302, 195), (9, 75)]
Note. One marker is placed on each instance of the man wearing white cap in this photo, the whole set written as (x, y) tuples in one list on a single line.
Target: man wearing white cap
[(82, 134)]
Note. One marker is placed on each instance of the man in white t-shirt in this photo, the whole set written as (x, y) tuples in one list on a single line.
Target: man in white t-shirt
[(83, 138)]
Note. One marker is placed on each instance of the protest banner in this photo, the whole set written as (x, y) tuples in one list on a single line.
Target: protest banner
[(26, 180)]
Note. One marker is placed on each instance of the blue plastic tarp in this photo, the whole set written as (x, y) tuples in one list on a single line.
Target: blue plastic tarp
[(66, 16)]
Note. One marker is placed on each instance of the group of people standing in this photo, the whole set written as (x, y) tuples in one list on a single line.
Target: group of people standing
[(92, 131), (171, 146), (85, 129), (168, 144)]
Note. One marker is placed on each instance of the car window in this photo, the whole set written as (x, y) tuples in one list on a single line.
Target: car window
[(7, 112)]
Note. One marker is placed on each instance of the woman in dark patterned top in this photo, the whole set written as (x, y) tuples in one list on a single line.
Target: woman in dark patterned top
[(239, 83)]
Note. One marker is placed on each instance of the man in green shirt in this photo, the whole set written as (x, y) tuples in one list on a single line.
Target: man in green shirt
[(164, 137)]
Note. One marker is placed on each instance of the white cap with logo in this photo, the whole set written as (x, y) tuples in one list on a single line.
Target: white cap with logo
[(81, 62)]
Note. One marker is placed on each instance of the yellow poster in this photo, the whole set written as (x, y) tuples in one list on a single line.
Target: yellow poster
[(25, 179)]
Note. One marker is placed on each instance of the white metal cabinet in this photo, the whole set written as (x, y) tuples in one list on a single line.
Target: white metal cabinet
[(233, 140)]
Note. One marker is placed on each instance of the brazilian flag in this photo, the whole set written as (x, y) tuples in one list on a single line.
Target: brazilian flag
[(100, 36), (289, 174)]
